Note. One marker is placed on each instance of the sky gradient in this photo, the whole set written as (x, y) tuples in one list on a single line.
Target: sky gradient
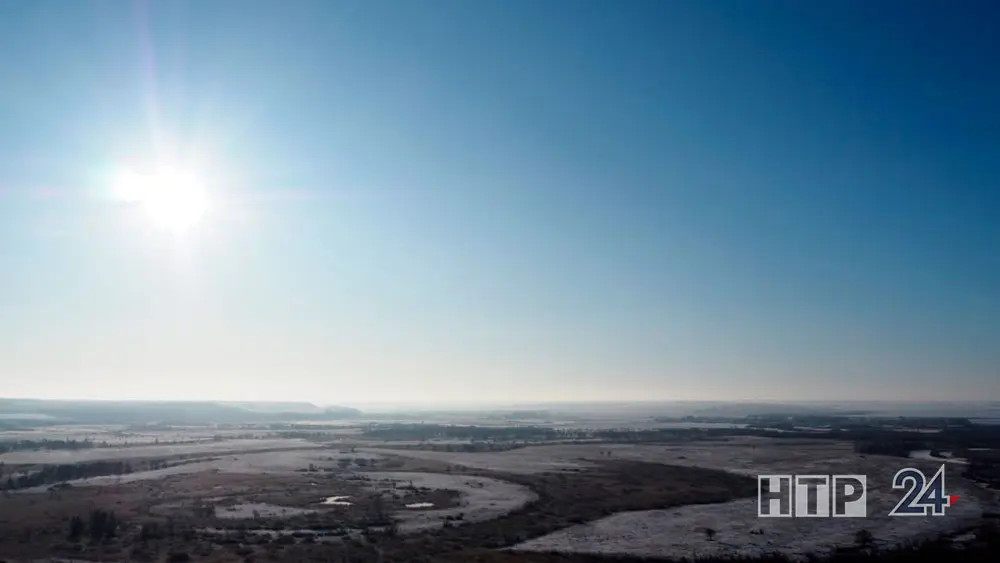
[(504, 201)]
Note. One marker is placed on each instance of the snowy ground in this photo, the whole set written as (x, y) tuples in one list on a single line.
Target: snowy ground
[(679, 533), (946, 457), (522, 460), (275, 462), (481, 498), (67, 432), (676, 532), (431, 442), (744, 455), (119, 435), (147, 451)]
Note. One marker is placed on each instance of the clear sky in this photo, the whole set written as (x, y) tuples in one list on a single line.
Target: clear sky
[(447, 200)]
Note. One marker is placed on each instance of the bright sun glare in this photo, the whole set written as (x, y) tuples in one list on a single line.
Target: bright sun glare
[(172, 199)]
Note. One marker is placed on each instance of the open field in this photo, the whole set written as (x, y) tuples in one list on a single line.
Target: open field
[(119, 434), (741, 455), (147, 451), (680, 533), (316, 492), (123, 435), (213, 502), (737, 531), (289, 460)]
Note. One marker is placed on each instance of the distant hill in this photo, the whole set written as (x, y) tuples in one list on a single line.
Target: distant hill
[(167, 412), (276, 407)]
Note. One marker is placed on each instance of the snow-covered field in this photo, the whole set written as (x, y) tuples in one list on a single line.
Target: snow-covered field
[(68, 432), (274, 462), (148, 451), (481, 498), (431, 442), (524, 460), (117, 435), (743, 455), (680, 533), (676, 532)]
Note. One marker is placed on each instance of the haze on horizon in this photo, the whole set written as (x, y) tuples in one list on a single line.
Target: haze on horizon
[(520, 201)]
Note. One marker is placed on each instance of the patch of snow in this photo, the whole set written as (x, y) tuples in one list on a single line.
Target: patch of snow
[(945, 457), (337, 501)]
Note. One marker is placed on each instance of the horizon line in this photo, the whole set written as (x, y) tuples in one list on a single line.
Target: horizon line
[(355, 404)]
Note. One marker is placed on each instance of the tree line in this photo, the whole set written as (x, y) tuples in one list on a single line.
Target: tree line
[(99, 526), (524, 434), (16, 445), (49, 474)]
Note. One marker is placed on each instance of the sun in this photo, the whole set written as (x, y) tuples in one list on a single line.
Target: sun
[(171, 199)]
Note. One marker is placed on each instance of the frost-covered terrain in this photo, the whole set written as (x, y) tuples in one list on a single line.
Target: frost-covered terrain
[(681, 532), (535, 459), (743, 455), (271, 462), (148, 451), (481, 498), (946, 457), (121, 435)]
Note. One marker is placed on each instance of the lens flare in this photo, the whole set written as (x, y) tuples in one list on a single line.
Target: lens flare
[(172, 200)]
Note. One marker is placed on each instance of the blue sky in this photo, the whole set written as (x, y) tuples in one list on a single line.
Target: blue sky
[(504, 201)]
